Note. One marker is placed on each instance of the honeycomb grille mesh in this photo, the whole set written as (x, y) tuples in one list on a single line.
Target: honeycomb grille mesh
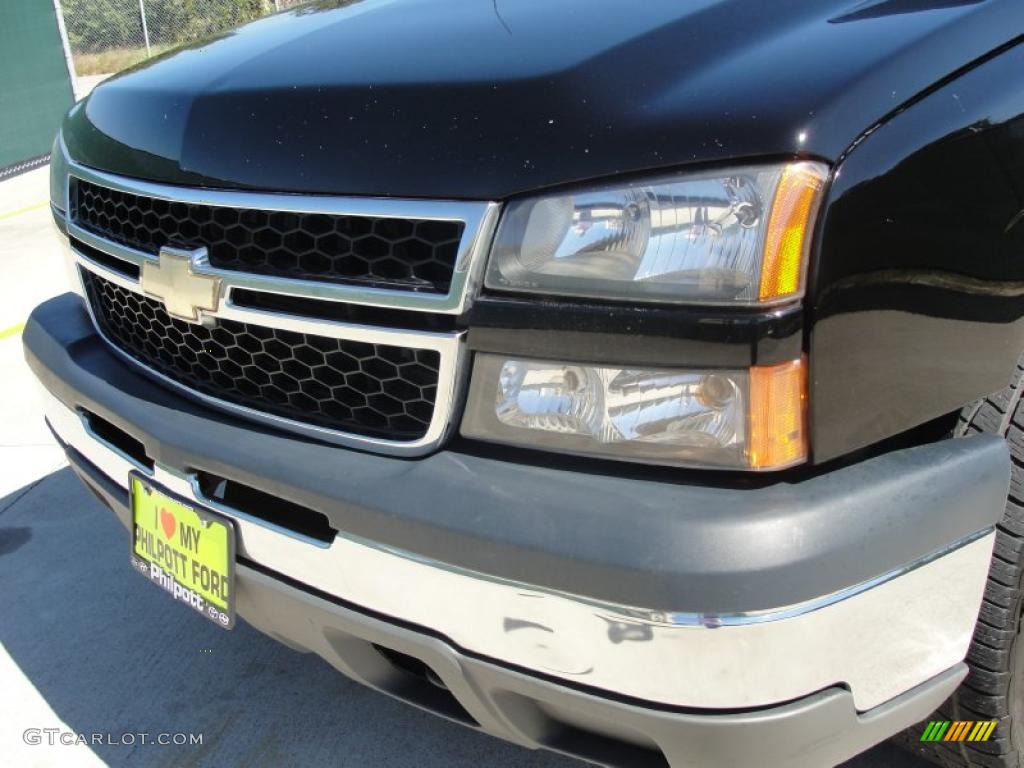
[(372, 390), (406, 254)]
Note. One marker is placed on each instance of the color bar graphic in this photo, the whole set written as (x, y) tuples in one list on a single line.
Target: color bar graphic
[(959, 730)]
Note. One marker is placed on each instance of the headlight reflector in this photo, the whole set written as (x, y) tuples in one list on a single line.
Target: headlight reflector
[(666, 416), (724, 237)]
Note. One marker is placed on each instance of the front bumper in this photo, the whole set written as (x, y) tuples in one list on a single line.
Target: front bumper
[(550, 601)]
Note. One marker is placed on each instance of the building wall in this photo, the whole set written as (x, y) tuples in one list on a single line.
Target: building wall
[(35, 88)]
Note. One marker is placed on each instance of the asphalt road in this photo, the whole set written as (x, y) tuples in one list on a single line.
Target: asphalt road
[(88, 646)]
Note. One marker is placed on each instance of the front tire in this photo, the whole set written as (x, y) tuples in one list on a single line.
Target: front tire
[(994, 687)]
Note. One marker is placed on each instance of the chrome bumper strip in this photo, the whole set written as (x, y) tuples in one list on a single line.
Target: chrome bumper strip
[(879, 639)]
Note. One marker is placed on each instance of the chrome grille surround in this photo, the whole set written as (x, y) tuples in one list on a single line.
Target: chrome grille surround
[(479, 220)]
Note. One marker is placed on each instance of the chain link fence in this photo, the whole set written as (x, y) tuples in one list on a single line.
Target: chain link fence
[(107, 36)]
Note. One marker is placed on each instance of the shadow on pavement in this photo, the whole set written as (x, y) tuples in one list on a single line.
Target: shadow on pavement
[(110, 653)]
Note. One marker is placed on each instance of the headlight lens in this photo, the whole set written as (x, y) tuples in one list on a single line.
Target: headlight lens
[(58, 174), (717, 237), (730, 419)]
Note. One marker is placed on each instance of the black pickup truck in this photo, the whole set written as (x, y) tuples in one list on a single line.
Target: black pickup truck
[(614, 378)]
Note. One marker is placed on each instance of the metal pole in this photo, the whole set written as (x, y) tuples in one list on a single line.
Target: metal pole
[(145, 27), (68, 58)]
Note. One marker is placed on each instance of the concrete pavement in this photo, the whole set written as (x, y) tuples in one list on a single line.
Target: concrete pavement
[(31, 270), (88, 646)]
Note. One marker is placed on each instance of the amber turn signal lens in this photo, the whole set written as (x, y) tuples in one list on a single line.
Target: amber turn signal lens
[(777, 421), (789, 230)]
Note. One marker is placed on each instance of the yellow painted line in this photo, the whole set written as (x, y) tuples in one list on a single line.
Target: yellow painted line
[(14, 330), (19, 211)]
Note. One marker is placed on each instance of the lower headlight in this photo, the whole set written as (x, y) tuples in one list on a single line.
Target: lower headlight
[(747, 419), (59, 174)]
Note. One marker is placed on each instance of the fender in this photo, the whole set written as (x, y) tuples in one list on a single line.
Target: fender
[(917, 288)]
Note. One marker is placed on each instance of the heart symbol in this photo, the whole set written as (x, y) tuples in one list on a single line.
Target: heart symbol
[(168, 522)]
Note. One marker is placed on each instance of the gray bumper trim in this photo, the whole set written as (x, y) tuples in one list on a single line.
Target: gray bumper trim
[(818, 730), (870, 638)]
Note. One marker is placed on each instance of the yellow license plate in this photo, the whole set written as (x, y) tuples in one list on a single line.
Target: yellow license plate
[(188, 551)]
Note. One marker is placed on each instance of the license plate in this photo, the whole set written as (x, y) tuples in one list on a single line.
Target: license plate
[(186, 550)]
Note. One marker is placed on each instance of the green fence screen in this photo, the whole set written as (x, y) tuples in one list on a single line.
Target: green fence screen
[(35, 89)]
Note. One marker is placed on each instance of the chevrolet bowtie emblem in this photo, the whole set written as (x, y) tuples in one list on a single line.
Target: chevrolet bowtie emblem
[(185, 293)]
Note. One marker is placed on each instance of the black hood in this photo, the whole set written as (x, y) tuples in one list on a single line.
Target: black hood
[(489, 98)]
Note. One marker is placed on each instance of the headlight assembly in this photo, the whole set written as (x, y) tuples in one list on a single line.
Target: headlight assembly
[(59, 174), (718, 237), (734, 419)]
